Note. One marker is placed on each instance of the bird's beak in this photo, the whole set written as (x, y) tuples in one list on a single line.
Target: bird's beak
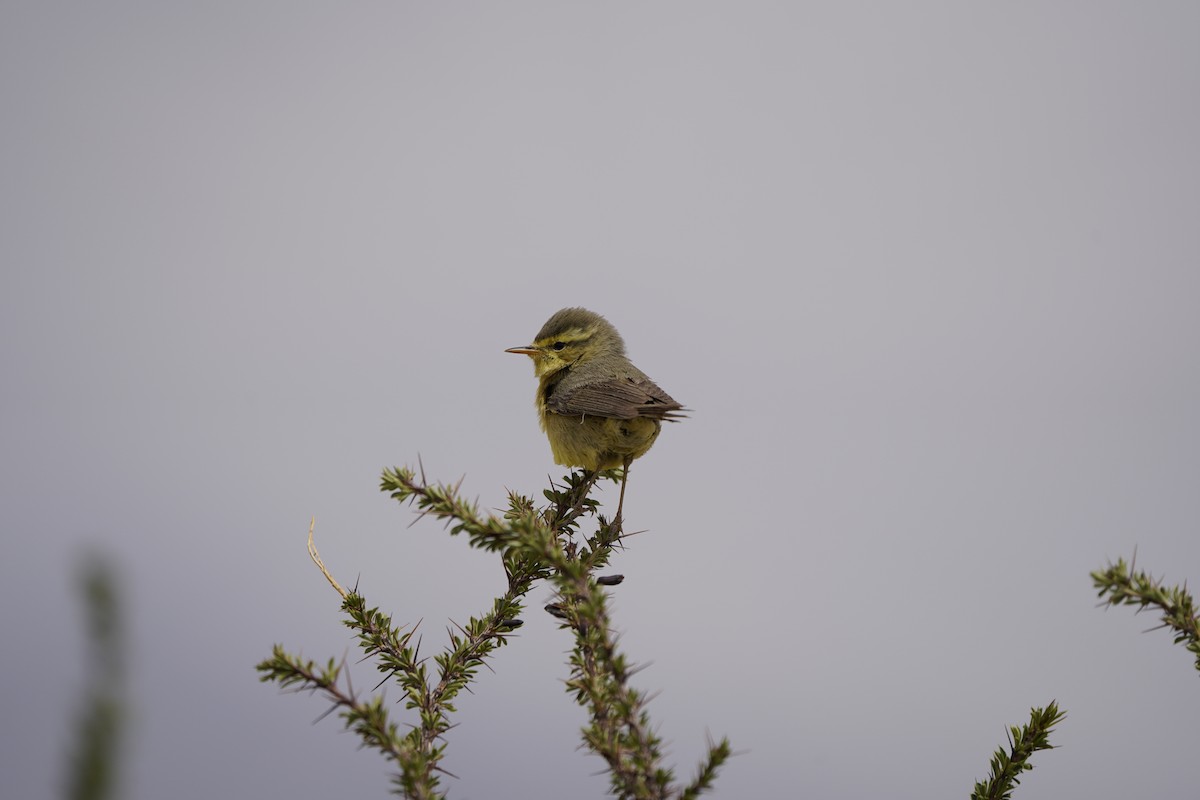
[(527, 350)]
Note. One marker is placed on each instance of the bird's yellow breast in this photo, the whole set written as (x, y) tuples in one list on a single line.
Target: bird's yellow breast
[(597, 443)]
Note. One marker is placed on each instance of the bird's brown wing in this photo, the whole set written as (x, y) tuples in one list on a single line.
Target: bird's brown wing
[(620, 398)]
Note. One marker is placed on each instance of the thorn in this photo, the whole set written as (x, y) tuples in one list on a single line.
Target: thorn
[(325, 713)]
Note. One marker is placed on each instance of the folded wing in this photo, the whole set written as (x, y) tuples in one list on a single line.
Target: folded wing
[(619, 398)]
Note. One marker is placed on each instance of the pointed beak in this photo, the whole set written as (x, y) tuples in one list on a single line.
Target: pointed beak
[(527, 350)]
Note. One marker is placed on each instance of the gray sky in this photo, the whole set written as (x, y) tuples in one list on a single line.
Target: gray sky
[(927, 273)]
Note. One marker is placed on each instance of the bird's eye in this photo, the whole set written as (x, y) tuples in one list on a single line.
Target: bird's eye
[(558, 345)]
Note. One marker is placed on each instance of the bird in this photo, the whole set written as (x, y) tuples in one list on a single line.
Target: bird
[(598, 410)]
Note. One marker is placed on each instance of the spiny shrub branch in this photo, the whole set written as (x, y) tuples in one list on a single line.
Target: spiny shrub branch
[(92, 773), (534, 544), (1007, 765), (1124, 586)]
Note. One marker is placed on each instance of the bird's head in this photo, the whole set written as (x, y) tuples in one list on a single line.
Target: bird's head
[(572, 336)]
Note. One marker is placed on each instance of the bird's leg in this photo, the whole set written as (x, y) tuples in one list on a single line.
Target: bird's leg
[(621, 501)]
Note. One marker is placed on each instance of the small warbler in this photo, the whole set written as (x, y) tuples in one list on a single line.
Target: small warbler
[(598, 410)]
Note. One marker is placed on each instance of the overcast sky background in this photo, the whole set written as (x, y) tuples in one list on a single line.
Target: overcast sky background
[(927, 273)]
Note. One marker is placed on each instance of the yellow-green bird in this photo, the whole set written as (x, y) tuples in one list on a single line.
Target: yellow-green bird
[(598, 410)]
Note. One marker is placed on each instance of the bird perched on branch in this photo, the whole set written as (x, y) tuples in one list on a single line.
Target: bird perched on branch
[(598, 410)]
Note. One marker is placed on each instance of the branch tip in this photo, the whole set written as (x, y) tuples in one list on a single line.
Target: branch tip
[(316, 557)]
